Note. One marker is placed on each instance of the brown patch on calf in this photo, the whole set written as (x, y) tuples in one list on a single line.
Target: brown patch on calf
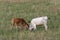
[(19, 22)]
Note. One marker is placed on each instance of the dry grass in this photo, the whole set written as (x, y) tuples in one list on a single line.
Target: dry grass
[(29, 9)]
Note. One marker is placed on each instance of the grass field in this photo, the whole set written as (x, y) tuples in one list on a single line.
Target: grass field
[(29, 9)]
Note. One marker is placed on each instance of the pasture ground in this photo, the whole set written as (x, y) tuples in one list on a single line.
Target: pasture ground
[(29, 9)]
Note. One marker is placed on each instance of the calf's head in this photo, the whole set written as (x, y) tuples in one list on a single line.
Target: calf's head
[(26, 26)]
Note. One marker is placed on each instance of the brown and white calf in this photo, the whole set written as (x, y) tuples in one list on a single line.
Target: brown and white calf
[(19, 22)]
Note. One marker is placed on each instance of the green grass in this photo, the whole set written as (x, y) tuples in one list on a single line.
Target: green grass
[(28, 11)]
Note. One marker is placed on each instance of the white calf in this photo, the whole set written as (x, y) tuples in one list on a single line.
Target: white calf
[(38, 21)]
